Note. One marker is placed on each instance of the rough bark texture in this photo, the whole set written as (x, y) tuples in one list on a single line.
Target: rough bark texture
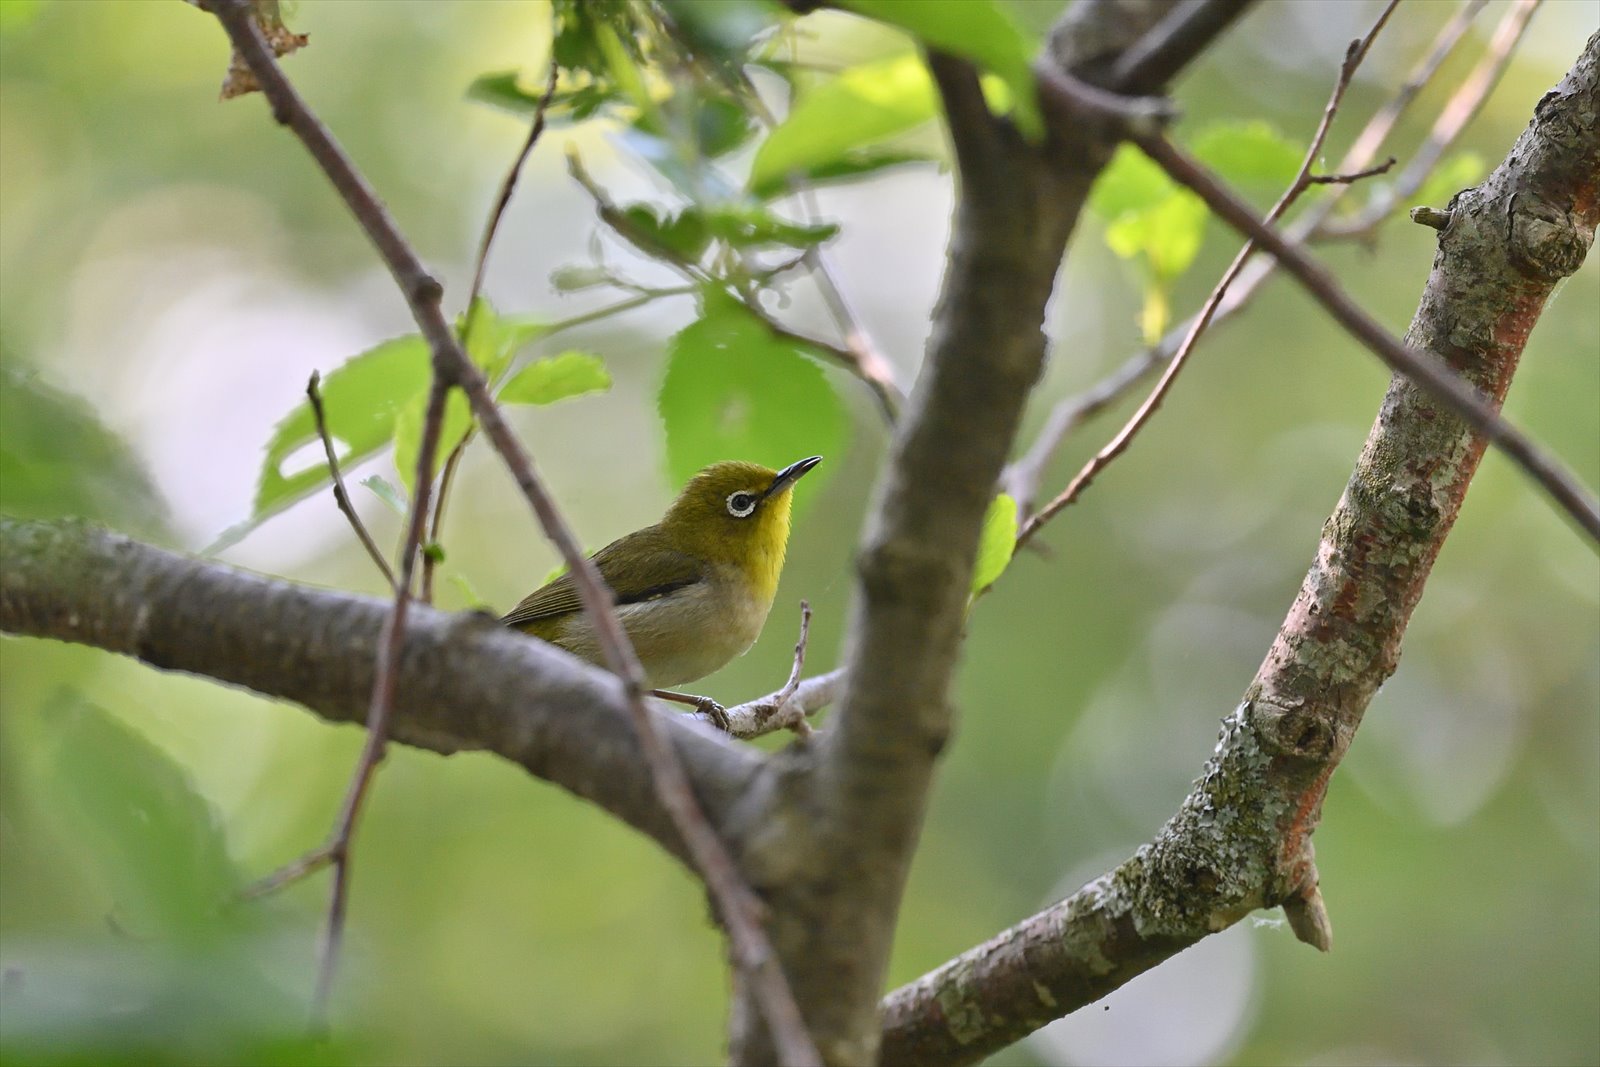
[(1241, 841), (831, 840), (465, 682)]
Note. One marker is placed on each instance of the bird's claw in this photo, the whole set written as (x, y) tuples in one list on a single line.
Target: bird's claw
[(715, 712)]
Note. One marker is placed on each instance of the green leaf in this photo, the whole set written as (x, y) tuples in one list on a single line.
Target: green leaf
[(362, 399), (853, 163), (681, 237), (1131, 182), (1248, 153), (493, 340), (734, 391), (156, 843), (57, 459), (408, 434), (388, 492), (1167, 235), (1450, 177), (863, 105), (979, 30), (751, 225), (996, 544), (557, 378)]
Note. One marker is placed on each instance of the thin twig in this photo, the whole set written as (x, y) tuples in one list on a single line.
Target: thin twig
[(508, 186), (1462, 106), (1022, 478), (1303, 180), (1425, 370), (795, 719), (767, 714), (1346, 179), (737, 905), (340, 495)]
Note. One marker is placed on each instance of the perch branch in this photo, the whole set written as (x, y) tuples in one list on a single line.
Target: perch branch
[(737, 906)]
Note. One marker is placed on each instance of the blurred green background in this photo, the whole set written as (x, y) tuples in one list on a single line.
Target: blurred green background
[(172, 269)]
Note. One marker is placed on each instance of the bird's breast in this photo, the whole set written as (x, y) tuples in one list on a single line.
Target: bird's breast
[(684, 635)]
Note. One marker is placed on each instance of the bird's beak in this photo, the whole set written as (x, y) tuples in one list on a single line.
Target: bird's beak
[(791, 474)]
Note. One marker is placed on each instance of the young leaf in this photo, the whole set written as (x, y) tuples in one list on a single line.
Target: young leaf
[(1248, 153), (408, 434), (493, 340), (557, 378), (387, 492), (361, 400), (862, 106), (853, 163), (750, 225), (980, 30), (734, 391), (998, 541)]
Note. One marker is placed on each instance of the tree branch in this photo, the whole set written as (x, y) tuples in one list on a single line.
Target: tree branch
[(464, 683), (737, 907), (1242, 839), (851, 803)]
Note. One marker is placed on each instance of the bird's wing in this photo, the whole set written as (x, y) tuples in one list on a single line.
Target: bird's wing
[(652, 570)]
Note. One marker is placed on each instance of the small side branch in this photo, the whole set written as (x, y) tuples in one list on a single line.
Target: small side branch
[(340, 495), (1303, 180)]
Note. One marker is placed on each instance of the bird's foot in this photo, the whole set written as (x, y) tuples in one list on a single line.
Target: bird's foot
[(715, 712)]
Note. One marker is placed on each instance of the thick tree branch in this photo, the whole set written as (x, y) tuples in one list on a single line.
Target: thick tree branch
[(850, 805), (464, 683), (1242, 839)]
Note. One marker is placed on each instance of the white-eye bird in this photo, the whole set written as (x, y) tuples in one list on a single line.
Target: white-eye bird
[(692, 591)]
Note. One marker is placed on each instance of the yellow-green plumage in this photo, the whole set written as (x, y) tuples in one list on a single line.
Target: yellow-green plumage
[(692, 591)]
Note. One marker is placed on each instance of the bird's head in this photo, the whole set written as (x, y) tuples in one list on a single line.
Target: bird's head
[(737, 513)]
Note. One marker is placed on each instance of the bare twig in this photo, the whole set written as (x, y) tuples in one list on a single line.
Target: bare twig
[(1463, 105), (1303, 180), (767, 714), (507, 186), (1022, 478), (337, 851), (340, 495), (1173, 42), (737, 906), (795, 720), (1354, 176), (1425, 369)]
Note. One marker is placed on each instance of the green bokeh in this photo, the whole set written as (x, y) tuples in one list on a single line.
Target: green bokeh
[(494, 919)]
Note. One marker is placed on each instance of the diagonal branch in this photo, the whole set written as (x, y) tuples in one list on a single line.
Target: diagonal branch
[(737, 907), (1242, 839), (1303, 180)]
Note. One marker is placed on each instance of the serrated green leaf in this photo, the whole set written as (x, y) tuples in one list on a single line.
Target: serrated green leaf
[(157, 844), (863, 105), (493, 340), (1248, 153), (681, 237), (734, 391), (980, 30), (557, 378), (387, 492), (996, 544), (453, 430), (361, 400)]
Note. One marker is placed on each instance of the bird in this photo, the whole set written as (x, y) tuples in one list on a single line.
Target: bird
[(693, 591)]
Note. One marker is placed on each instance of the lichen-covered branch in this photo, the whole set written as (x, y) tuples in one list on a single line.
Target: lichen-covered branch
[(1242, 839), (464, 681)]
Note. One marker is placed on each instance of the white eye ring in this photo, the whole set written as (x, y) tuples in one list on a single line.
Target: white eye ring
[(746, 503)]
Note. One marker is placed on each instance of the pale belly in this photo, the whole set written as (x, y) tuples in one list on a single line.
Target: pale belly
[(681, 637)]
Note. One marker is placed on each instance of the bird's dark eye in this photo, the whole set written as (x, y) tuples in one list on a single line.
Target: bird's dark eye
[(741, 504)]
